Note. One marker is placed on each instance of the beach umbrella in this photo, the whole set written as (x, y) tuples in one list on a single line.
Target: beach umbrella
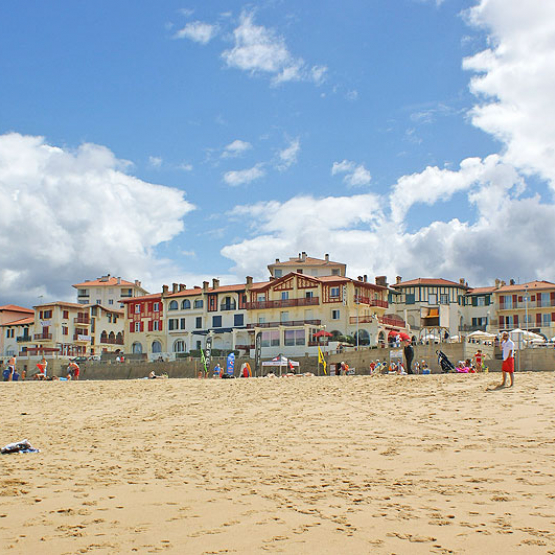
[(323, 333), (481, 335)]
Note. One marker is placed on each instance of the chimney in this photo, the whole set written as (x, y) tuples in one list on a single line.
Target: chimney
[(497, 283), (182, 287), (359, 278), (174, 288), (277, 260), (215, 283), (398, 279), (137, 283), (303, 259), (249, 280), (365, 276), (462, 281), (205, 285), (511, 282), (327, 257), (164, 290), (119, 281), (381, 281)]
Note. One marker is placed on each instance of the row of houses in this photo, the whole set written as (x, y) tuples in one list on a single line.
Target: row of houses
[(305, 303)]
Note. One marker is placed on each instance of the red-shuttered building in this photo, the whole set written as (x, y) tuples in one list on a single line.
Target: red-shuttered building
[(528, 306), (144, 325)]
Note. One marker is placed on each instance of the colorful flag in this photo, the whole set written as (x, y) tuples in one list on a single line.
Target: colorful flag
[(321, 359), (230, 364), (203, 360)]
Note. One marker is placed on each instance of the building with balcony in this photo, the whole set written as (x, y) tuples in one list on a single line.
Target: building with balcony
[(307, 265), (108, 291), (480, 309), (15, 335), (529, 306), (431, 305), (290, 311), (11, 313), (107, 329), (144, 326)]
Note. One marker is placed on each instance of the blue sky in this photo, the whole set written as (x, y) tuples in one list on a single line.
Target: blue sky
[(272, 127)]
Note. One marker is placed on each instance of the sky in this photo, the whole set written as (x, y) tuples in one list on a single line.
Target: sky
[(179, 141)]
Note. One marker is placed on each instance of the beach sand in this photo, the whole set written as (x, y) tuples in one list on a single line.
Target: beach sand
[(376, 464)]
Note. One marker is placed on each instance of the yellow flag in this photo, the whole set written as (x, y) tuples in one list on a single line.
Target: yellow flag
[(321, 359)]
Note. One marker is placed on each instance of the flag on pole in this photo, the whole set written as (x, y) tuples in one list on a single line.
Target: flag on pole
[(203, 360), (321, 359)]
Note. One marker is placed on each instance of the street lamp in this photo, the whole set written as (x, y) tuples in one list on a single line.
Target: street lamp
[(526, 305)]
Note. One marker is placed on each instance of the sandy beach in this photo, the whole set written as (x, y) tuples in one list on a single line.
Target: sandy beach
[(377, 464)]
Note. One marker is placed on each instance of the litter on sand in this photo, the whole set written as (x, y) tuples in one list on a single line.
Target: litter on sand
[(22, 446)]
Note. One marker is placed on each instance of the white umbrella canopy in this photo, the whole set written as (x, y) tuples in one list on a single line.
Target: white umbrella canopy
[(524, 335), (481, 335), (454, 339)]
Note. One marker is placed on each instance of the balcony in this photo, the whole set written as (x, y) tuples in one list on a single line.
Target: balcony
[(392, 321), (361, 319), (42, 337), (530, 304), (284, 303), (297, 323), (82, 320), (370, 302), (231, 306), (24, 338), (111, 341)]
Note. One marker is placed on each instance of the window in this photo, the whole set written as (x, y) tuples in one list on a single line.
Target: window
[(409, 298), (155, 325), (334, 292), (156, 307), (82, 292), (228, 304), (508, 302), (432, 298), (110, 301), (156, 347), (444, 298), (278, 273), (239, 320), (293, 337), (270, 338), (179, 346), (299, 270), (65, 314), (335, 314), (47, 314), (137, 348), (261, 319), (199, 303), (173, 305), (198, 322), (137, 326), (109, 318), (137, 309), (216, 321), (98, 301), (182, 323), (261, 297), (186, 304), (309, 295), (335, 272), (173, 324), (546, 319), (481, 301), (284, 316), (284, 295)]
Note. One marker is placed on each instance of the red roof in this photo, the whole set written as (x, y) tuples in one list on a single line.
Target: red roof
[(308, 260), (532, 286), (63, 303), (20, 322), (108, 282), (481, 290), (15, 308), (430, 282)]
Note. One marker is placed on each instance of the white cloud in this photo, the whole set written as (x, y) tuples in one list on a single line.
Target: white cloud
[(71, 215), (155, 161), (236, 148), (288, 156), (242, 177), (185, 166), (258, 49), (197, 31), (356, 175), (516, 78)]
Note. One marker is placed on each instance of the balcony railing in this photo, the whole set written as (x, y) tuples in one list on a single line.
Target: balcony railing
[(224, 307), (392, 321), (370, 302), (42, 336), (111, 341), (284, 303), (81, 337), (288, 323), (361, 319), (82, 320), (23, 338), (547, 303)]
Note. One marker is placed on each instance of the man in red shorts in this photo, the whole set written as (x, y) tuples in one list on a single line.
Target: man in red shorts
[(508, 367)]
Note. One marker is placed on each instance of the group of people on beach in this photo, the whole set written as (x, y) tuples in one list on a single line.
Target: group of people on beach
[(11, 374)]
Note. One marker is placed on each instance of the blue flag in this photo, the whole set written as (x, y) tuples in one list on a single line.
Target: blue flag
[(230, 363)]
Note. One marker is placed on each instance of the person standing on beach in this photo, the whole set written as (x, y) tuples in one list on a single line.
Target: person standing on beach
[(409, 356), (508, 367), (479, 358)]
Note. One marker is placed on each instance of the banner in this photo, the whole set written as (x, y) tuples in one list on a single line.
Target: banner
[(257, 353), (321, 359), (208, 352), (230, 363)]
